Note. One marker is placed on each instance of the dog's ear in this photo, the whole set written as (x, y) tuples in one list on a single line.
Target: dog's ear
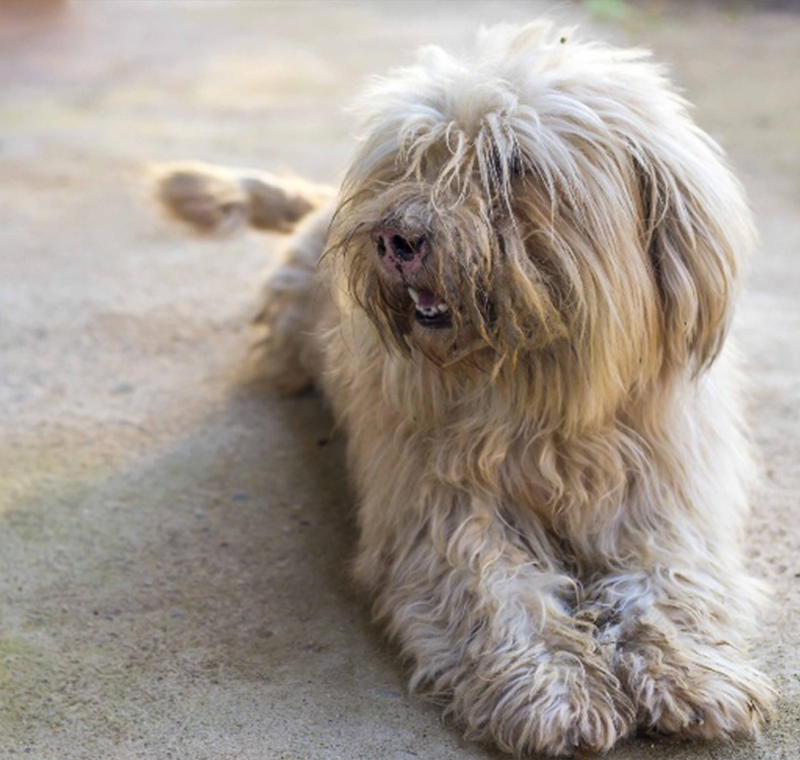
[(698, 231)]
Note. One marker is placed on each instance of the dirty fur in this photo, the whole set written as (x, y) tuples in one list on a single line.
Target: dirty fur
[(551, 489)]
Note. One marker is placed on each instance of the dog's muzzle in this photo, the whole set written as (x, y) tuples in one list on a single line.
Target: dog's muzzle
[(399, 254), (402, 257)]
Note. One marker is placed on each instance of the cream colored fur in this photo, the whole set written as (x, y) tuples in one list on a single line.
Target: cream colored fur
[(552, 490), (220, 200)]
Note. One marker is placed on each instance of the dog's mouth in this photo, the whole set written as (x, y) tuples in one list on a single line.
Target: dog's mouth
[(430, 310)]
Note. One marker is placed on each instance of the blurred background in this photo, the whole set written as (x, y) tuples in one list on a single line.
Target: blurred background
[(173, 547)]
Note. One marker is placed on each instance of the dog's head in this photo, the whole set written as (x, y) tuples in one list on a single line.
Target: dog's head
[(545, 197)]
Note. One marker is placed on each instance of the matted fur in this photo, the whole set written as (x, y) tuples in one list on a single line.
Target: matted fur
[(551, 490)]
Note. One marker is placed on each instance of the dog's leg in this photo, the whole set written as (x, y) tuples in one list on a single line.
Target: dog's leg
[(677, 634), (297, 304), (483, 613), (298, 309), (218, 199)]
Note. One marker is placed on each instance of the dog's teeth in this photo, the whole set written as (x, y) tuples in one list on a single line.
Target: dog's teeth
[(433, 310)]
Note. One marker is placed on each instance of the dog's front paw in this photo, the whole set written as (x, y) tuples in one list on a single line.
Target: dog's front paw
[(700, 691), (556, 705)]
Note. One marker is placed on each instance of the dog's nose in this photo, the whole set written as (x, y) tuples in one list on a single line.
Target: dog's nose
[(399, 252)]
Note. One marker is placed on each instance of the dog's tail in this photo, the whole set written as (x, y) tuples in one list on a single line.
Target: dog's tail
[(218, 200)]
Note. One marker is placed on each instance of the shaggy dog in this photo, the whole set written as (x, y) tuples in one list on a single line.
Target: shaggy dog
[(519, 320)]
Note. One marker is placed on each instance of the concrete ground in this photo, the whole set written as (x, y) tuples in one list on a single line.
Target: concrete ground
[(173, 547)]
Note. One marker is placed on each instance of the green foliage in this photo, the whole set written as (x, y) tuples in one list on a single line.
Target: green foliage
[(608, 10)]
